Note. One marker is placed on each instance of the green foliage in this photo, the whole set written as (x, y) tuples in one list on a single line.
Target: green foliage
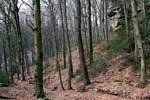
[(100, 64), (122, 42), (145, 34), (4, 79), (137, 65), (129, 47), (118, 42)]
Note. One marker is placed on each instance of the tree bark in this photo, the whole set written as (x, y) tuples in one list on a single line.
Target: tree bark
[(138, 42), (86, 79), (19, 40), (39, 91), (68, 42), (5, 59), (90, 33), (125, 16), (105, 21), (63, 30), (9, 51)]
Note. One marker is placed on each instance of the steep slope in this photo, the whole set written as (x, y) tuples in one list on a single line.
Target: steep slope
[(116, 83)]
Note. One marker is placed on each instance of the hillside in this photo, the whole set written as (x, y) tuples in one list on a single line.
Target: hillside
[(117, 83)]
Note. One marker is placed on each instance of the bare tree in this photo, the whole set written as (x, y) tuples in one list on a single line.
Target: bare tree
[(86, 79)]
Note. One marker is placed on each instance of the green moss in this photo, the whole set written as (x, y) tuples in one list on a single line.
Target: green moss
[(101, 64)]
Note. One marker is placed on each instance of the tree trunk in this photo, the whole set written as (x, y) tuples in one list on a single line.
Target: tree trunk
[(138, 42), (105, 21), (70, 70), (9, 51), (125, 15), (56, 55), (90, 33), (144, 12), (15, 60), (86, 79), (39, 91), (56, 43), (68, 42), (85, 35), (5, 59), (19, 40), (97, 28), (63, 30)]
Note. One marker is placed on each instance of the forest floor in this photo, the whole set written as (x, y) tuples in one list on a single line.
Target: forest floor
[(116, 84)]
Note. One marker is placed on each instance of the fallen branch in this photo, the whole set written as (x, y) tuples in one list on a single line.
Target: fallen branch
[(3, 97)]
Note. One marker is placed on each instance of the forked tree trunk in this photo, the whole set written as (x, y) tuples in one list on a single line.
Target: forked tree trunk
[(84, 71), (68, 41), (70, 65), (19, 40)]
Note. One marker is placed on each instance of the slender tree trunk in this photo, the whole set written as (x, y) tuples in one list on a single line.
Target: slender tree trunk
[(68, 42), (16, 65), (144, 12), (63, 29), (85, 35), (27, 62), (19, 40), (100, 15), (105, 21), (90, 33), (60, 78), (56, 43), (70, 70), (97, 28), (86, 79), (5, 59), (56, 55), (9, 51), (138, 42), (39, 91), (125, 15)]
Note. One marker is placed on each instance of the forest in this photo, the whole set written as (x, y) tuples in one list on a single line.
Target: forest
[(74, 49)]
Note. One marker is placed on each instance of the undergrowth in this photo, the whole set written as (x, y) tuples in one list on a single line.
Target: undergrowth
[(4, 79), (99, 66), (122, 42)]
